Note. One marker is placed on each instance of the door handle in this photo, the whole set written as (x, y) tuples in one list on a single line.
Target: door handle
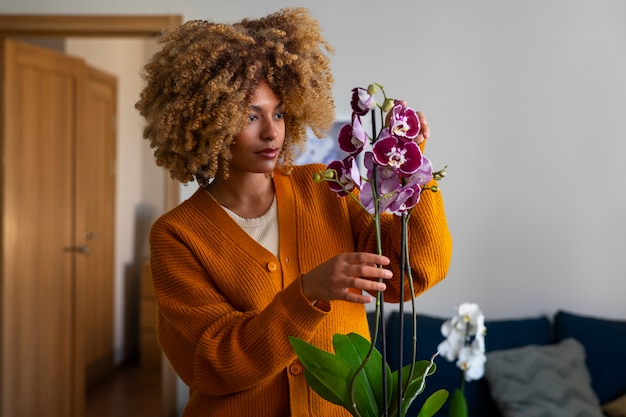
[(81, 249), (91, 235)]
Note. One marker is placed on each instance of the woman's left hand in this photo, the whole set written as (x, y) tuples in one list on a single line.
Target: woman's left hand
[(424, 130)]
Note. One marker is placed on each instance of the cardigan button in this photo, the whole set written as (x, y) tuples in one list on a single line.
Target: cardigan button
[(295, 369), (271, 266)]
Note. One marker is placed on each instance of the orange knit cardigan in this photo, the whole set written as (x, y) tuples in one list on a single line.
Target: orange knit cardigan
[(227, 306)]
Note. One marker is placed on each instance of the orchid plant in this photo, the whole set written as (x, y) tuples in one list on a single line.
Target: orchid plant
[(464, 343), (384, 172)]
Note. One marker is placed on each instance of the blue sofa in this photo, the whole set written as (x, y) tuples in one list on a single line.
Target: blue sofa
[(604, 342)]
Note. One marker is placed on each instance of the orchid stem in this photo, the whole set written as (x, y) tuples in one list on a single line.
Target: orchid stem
[(405, 239), (380, 305), (401, 316)]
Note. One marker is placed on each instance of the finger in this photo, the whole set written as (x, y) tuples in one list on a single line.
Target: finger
[(357, 298), (368, 285), (367, 258), (424, 128), (370, 272)]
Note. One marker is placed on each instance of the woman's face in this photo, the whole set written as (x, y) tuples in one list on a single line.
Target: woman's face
[(257, 147)]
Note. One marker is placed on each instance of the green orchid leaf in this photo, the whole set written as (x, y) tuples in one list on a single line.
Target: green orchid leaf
[(414, 387), (323, 382), (328, 386), (330, 376), (314, 357), (327, 374), (354, 348), (364, 399), (417, 384), (433, 403), (458, 404)]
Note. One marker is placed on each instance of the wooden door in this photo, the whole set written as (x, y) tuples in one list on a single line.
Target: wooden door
[(47, 261), (95, 208), (39, 338)]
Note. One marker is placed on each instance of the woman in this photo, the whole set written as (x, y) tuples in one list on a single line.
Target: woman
[(261, 252)]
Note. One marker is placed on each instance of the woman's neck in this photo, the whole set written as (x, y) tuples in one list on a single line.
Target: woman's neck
[(248, 198)]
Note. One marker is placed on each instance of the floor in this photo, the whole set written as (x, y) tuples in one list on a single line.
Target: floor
[(130, 391)]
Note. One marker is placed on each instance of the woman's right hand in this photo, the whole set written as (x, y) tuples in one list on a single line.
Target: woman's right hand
[(333, 279)]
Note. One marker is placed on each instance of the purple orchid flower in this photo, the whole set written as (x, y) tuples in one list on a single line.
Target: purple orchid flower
[(404, 122), (362, 101), (405, 156), (388, 187), (415, 182), (408, 198), (348, 176), (424, 173), (352, 138), (393, 196)]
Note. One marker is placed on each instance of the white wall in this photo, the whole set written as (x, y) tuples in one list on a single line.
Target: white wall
[(525, 100)]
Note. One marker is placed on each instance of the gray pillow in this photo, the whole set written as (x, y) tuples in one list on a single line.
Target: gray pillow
[(542, 381)]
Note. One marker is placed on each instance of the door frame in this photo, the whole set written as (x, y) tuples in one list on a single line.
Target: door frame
[(87, 25), (112, 26)]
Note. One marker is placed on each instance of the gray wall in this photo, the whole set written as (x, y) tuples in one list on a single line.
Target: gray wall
[(525, 102)]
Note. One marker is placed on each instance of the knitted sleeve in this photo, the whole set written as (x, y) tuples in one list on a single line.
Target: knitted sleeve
[(429, 241)]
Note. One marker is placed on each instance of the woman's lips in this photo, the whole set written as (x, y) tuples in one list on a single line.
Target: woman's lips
[(269, 153)]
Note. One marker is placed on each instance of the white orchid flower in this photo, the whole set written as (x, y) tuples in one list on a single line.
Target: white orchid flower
[(451, 346), (465, 341), (472, 362), (471, 314)]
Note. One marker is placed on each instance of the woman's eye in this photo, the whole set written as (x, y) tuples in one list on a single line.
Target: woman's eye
[(252, 118), (280, 115)]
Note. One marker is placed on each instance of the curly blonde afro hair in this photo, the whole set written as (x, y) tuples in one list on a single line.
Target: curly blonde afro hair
[(199, 85)]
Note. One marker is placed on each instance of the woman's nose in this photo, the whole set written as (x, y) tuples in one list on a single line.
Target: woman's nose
[(270, 131)]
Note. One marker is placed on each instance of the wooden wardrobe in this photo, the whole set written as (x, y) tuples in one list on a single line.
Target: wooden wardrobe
[(57, 189)]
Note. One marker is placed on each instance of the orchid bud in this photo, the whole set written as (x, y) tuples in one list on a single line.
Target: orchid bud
[(372, 89), (439, 175), (317, 177), (388, 104), (330, 174)]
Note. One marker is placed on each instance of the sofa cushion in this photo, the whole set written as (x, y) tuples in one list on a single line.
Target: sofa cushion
[(605, 343), (616, 408), (501, 334), (550, 380)]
